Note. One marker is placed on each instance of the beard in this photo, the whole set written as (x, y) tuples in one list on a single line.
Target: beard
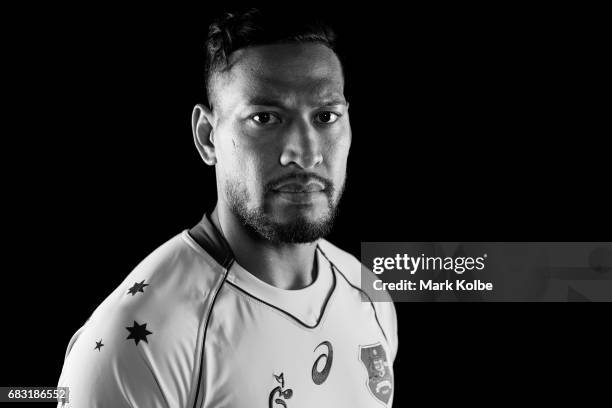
[(299, 230)]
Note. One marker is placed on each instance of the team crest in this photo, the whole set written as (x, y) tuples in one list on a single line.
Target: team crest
[(380, 375)]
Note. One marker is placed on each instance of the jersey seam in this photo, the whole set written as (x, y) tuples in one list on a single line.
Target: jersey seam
[(203, 349), (283, 313), (364, 293)]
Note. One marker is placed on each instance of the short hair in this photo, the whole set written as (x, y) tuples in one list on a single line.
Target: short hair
[(233, 31)]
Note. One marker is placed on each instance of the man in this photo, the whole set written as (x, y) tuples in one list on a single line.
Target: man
[(251, 307)]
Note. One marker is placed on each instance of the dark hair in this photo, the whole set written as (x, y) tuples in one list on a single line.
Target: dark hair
[(233, 31)]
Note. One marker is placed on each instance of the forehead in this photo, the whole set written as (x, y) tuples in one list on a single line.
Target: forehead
[(306, 71)]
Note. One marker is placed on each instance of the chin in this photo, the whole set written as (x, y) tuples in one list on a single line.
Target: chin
[(300, 214), (300, 230)]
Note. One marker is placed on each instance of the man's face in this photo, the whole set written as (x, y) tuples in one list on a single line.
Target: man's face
[(282, 137)]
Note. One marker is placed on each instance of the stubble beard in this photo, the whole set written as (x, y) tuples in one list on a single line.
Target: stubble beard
[(299, 230)]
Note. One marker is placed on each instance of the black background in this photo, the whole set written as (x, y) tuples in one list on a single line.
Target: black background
[(468, 124)]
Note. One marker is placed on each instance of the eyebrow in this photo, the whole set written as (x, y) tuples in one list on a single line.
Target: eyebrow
[(264, 101), (267, 101), (334, 102)]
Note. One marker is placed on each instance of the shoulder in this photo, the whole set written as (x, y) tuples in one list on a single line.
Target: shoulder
[(178, 275), (344, 261), (353, 270), (361, 278), (150, 330), (176, 271)]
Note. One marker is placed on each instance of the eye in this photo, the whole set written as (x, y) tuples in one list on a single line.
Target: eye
[(265, 118), (326, 117)]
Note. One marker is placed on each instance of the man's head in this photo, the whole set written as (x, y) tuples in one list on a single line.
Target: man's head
[(277, 127)]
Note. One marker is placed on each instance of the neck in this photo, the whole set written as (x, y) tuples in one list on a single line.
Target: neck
[(285, 266)]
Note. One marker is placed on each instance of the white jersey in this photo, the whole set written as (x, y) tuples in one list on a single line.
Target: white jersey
[(189, 327)]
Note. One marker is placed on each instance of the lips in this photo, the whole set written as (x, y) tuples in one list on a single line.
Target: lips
[(297, 187)]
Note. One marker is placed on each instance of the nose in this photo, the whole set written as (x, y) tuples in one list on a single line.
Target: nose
[(302, 146)]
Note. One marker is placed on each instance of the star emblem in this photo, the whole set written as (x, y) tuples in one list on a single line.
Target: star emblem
[(138, 332), (99, 345), (138, 287)]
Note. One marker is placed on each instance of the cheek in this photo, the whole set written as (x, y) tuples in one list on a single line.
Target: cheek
[(338, 156), (242, 162)]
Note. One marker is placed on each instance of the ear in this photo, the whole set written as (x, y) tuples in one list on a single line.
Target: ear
[(201, 125)]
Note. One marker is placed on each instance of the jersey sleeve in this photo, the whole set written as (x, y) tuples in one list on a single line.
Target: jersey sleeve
[(142, 346), (388, 316), (103, 368), (385, 308)]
